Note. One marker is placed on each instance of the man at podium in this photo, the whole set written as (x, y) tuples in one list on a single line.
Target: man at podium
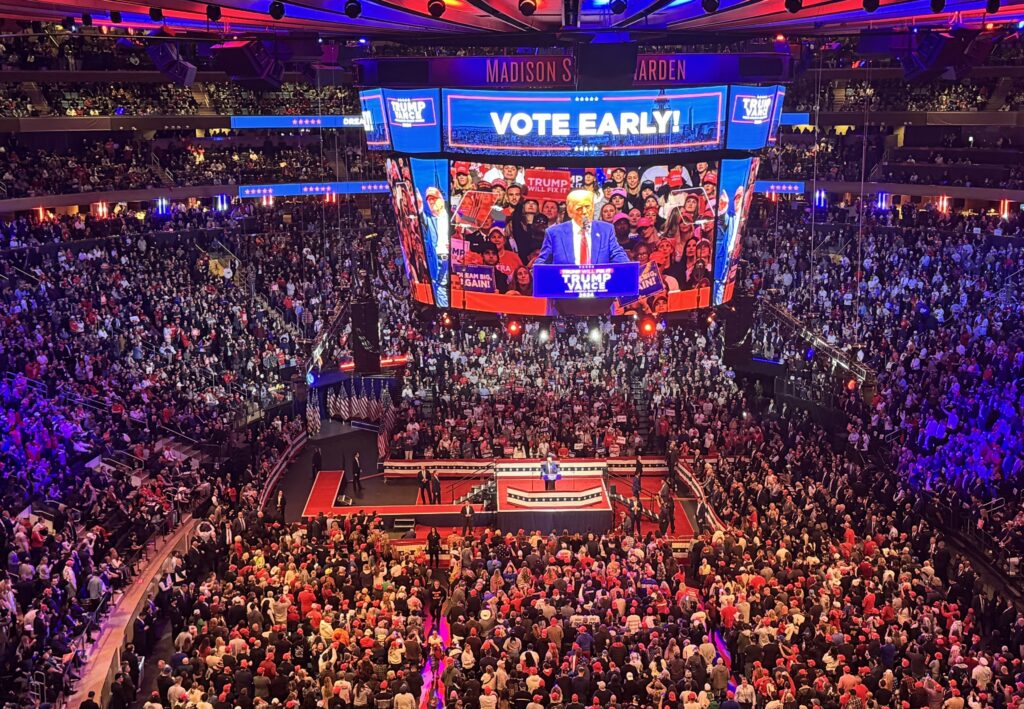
[(549, 473)]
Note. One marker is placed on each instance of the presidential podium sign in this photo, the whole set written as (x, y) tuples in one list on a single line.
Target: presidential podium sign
[(611, 280)]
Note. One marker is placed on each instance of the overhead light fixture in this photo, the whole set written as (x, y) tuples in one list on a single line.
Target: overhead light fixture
[(527, 7), (213, 13), (992, 6), (938, 6), (86, 19), (794, 6), (617, 6), (276, 9), (436, 8), (709, 6), (353, 9), (871, 5), (115, 17), (156, 14)]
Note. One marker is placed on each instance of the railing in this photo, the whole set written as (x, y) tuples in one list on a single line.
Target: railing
[(480, 472)]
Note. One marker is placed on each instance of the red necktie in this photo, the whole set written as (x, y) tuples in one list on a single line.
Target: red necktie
[(584, 252)]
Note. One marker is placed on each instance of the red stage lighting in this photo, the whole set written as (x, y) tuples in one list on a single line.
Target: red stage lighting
[(648, 327), (446, 320), (513, 327)]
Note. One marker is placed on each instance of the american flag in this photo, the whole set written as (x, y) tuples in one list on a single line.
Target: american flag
[(313, 415), (344, 405), (332, 404)]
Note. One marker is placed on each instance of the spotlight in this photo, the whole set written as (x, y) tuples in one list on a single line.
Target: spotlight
[(794, 6), (938, 6), (213, 13), (353, 8), (992, 7), (436, 8), (617, 6), (276, 9), (709, 6), (648, 327), (115, 17), (527, 7), (543, 336), (871, 5), (852, 385), (86, 19), (514, 328), (446, 320), (156, 14), (595, 335)]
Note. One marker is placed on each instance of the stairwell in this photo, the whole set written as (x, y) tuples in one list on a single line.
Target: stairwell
[(202, 99), (40, 106), (160, 172), (640, 403), (998, 98), (838, 96)]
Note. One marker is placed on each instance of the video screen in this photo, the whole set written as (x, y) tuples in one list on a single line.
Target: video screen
[(661, 217), (737, 191), (408, 205)]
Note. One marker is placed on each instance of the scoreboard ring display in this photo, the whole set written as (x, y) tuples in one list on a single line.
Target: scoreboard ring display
[(480, 178)]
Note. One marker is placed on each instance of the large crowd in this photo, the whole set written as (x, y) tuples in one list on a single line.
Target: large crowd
[(818, 577), (929, 302)]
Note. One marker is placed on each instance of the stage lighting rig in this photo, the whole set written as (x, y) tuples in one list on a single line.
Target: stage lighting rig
[(115, 17), (353, 9), (436, 8), (794, 6), (871, 5), (617, 6), (938, 6), (710, 6), (213, 13), (276, 9), (527, 7), (992, 6), (156, 14)]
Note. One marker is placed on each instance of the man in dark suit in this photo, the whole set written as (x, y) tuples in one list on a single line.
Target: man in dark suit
[(581, 240), (467, 519), (424, 480), (318, 461), (357, 472)]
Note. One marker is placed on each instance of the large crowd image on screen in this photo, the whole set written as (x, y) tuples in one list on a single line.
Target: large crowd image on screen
[(663, 218)]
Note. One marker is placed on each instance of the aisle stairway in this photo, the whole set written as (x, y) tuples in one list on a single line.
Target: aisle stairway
[(202, 99), (40, 105), (998, 98)]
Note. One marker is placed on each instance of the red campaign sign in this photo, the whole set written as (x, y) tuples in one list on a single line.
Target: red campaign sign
[(547, 184)]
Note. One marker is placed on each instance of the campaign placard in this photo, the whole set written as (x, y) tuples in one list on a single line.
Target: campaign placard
[(547, 184), (477, 278), (474, 209), (613, 280)]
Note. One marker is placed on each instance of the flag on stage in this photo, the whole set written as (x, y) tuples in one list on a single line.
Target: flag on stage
[(313, 415), (332, 404), (344, 404)]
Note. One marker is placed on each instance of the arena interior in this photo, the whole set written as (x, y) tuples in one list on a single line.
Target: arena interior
[(512, 354)]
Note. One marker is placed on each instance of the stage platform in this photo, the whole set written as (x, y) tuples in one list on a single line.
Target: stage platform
[(589, 497), (579, 503)]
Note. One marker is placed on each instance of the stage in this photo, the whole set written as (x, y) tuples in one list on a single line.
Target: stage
[(588, 498)]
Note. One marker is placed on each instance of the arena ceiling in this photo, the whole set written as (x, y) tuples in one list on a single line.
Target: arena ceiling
[(491, 18)]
